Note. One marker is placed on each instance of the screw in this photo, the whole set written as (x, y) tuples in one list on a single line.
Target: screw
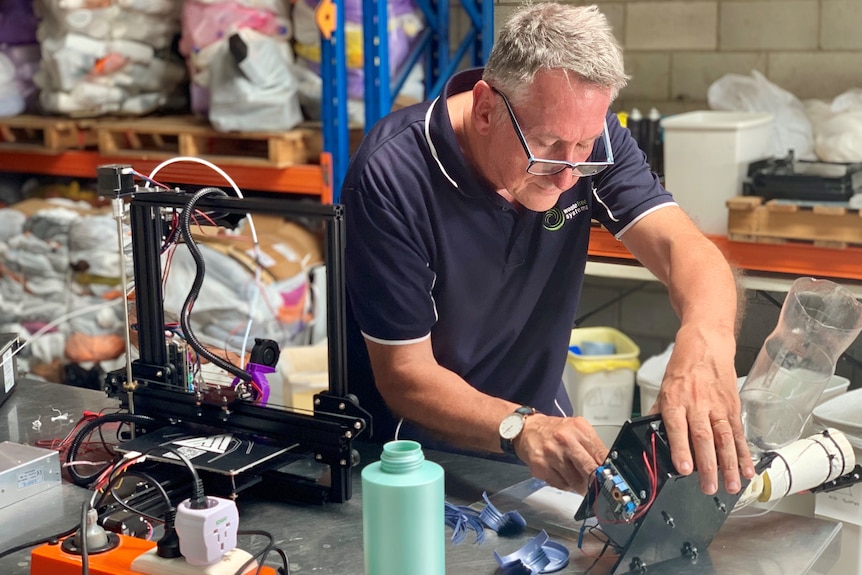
[(689, 550), (342, 462), (159, 373), (614, 454), (637, 565), (348, 434), (720, 504), (357, 425), (341, 406), (318, 457), (316, 401), (642, 494)]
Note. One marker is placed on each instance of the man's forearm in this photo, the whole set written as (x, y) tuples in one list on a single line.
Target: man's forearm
[(417, 388)]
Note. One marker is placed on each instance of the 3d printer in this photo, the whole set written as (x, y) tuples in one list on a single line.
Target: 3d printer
[(157, 387)]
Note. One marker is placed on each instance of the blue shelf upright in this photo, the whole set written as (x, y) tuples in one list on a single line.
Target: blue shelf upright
[(432, 47)]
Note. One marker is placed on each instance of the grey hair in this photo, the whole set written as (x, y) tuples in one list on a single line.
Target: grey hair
[(545, 36)]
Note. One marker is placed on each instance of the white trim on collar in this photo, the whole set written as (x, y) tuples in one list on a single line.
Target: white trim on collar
[(431, 144)]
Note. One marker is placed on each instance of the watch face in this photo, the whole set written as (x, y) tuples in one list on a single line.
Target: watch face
[(511, 426)]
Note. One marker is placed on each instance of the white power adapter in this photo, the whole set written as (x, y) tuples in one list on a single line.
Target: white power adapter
[(208, 533)]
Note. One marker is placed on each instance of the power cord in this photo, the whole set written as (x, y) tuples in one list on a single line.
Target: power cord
[(261, 555), (112, 484), (51, 539), (169, 545), (85, 554), (194, 291), (72, 454)]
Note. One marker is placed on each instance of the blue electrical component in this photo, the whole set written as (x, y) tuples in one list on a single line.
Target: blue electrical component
[(622, 500)]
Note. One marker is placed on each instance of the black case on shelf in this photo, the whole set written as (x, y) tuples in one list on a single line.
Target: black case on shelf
[(789, 179)]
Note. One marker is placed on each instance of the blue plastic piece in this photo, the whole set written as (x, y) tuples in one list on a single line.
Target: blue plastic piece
[(598, 348), (509, 523), (539, 555), (575, 350), (461, 518)]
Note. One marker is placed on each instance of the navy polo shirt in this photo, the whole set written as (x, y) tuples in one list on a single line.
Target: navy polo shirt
[(434, 251)]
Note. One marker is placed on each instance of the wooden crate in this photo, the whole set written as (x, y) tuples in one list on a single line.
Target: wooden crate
[(170, 136), (752, 219), (47, 134)]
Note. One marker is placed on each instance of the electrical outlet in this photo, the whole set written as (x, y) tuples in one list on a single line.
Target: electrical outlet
[(207, 533), (151, 564)]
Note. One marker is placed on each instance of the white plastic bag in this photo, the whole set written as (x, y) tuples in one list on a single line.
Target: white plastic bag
[(791, 129), (837, 127), (257, 92)]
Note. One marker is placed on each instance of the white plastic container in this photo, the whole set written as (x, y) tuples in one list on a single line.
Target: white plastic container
[(651, 373), (601, 387), (706, 158), (649, 378)]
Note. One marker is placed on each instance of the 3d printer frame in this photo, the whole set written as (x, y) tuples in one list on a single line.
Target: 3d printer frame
[(157, 387)]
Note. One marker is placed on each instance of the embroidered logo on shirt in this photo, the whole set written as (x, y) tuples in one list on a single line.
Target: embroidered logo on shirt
[(555, 217)]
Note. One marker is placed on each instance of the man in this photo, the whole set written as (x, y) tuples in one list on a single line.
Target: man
[(467, 229)]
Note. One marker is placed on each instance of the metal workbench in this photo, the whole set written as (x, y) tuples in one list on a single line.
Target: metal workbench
[(327, 540)]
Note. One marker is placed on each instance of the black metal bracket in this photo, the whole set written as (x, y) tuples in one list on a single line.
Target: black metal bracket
[(845, 480), (670, 518)]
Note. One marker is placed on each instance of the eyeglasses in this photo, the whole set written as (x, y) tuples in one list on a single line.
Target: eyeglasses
[(541, 167)]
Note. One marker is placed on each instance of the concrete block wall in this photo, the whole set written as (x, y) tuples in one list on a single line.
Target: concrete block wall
[(674, 49)]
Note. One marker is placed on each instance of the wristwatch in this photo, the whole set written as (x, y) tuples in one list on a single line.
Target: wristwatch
[(511, 427)]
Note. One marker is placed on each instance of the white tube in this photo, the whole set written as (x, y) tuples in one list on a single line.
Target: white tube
[(807, 463)]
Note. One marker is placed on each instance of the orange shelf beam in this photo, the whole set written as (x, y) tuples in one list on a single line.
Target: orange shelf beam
[(791, 258), (302, 179)]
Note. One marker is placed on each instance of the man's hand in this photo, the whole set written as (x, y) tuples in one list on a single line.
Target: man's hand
[(563, 452), (699, 401)]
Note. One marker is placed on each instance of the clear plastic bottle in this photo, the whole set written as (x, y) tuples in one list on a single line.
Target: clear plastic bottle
[(819, 320), (403, 524)]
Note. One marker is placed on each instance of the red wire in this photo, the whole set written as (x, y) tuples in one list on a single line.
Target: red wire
[(652, 473)]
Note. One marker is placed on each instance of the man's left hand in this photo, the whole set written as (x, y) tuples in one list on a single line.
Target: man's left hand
[(699, 400)]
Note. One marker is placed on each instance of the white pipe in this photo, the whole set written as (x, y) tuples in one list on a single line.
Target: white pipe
[(807, 463)]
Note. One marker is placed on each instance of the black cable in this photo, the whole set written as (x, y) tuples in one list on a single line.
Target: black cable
[(85, 554), (52, 539), (199, 497), (72, 453), (149, 479), (285, 562), (598, 557), (194, 291), (261, 555), (266, 549), (113, 477)]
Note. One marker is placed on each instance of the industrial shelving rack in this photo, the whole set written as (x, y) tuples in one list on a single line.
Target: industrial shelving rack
[(433, 49), (322, 180)]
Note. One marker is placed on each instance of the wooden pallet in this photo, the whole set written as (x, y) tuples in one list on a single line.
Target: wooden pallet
[(170, 136), (751, 219), (48, 134)]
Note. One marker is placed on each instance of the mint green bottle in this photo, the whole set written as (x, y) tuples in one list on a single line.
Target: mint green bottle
[(403, 524)]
